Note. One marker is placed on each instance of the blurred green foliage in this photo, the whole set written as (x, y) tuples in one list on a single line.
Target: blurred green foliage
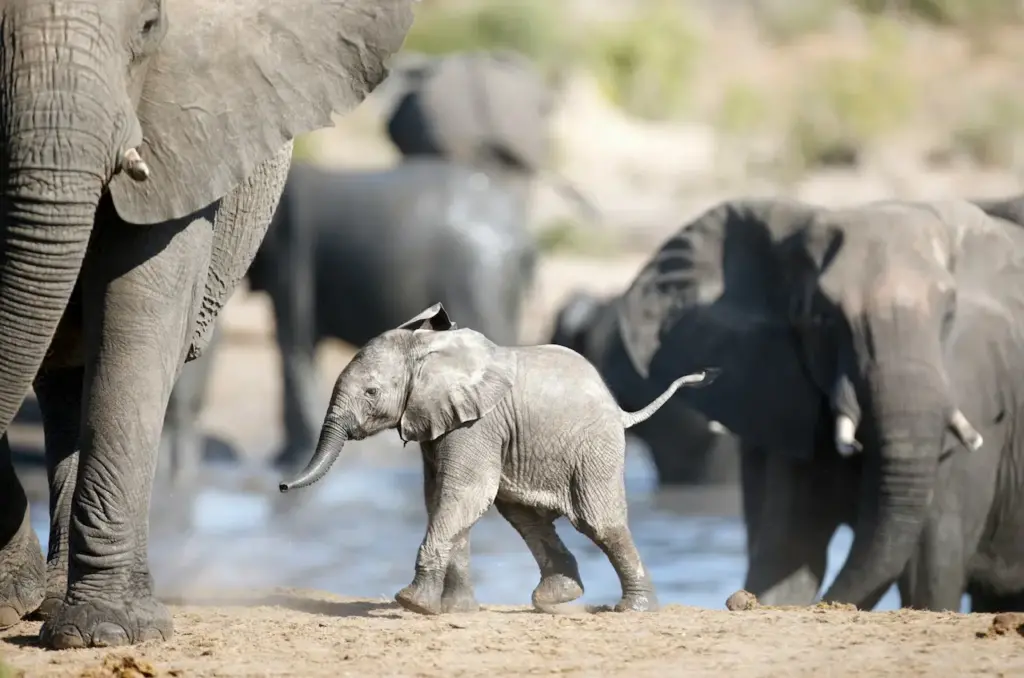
[(652, 60), (303, 148), (988, 132), (564, 235), (8, 671), (646, 64), (744, 108), (947, 12), (531, 27), (783, 21), (847, 103)]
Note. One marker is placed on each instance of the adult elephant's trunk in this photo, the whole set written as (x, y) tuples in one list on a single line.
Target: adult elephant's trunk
[(60, 123), (333, 435), (47, 212), (908, 406)]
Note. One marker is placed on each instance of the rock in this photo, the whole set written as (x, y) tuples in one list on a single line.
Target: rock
[(1007, 623), (742, 601)]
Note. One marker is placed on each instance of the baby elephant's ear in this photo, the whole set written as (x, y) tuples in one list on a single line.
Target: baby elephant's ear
[(434, 318), (457, 377)]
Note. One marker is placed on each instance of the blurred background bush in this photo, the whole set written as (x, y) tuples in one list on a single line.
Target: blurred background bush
[(669, 105)]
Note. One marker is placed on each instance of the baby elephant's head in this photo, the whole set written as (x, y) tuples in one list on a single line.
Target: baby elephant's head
[(425, 378)]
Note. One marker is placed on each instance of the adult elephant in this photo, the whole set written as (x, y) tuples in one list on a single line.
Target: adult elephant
[(857, 346), (385, 245), (145, 145), (686, 447)]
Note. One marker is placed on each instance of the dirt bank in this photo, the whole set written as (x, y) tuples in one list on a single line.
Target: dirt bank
[(299, 633)]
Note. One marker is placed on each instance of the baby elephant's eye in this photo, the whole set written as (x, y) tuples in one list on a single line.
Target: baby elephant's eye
[(372, 391)]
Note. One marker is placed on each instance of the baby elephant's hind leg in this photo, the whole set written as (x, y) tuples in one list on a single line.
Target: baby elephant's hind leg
[(600, 510), (559, 574)]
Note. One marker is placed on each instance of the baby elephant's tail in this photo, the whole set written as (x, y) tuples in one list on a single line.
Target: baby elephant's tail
[(698, 379)]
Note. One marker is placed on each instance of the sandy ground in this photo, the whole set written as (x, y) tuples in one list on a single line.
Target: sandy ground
[(300, 633)]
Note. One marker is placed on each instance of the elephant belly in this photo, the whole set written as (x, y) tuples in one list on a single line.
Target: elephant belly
[(550, 494)]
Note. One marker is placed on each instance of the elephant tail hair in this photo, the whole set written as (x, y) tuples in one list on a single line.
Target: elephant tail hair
[(696, 379)]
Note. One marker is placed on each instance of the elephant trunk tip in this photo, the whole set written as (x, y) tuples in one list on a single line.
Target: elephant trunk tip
[(332, 440), (134, 166)]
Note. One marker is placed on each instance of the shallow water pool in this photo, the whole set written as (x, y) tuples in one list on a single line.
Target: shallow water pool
[(357, 531)]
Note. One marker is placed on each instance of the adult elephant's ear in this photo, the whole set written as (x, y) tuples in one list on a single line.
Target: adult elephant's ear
[(235, 80), (434, 318), (457, 377), (714, 295)]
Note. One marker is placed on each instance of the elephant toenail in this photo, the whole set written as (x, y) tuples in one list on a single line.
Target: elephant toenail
[(8, 617), (65, 638), (151, 634), (109, 635)]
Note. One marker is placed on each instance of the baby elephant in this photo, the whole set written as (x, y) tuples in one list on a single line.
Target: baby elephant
[(531, 429)]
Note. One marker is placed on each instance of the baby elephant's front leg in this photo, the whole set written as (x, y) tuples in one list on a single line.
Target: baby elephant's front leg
[(459, 505)]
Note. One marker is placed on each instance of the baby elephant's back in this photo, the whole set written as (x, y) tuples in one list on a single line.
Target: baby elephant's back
[(562, 387)]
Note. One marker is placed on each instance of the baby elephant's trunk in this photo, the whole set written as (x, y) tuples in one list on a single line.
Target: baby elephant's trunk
[(702, 378), (332, 439)]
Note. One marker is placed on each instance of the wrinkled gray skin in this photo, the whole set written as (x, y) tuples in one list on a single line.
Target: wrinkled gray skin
[(182, 444), (684, 448), (532, 430), (849, 341), (145, 146)]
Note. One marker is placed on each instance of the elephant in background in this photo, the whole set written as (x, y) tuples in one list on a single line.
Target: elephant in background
[(473, 131), (684, 445), (859, 350), (143, 149)]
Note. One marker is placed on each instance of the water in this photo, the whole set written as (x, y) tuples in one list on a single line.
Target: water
[(356, 533)]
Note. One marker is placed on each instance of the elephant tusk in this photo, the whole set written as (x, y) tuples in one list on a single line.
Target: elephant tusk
[(967, 434), (134, 165), (846, 443)]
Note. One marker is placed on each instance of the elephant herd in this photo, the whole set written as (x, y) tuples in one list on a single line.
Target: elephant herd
[(868, 357)]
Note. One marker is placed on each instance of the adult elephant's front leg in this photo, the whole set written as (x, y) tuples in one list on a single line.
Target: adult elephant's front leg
[(293, 295), (790, 518), (141, 289)]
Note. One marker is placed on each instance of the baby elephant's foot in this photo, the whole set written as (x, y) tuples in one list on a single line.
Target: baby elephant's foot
[(645, 601), (460, 599), (106, 624), (420, 598), (554, 590)]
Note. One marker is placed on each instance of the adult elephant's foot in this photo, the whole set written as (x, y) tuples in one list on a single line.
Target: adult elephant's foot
[(22, 575), (638, 602), (420, 598), (556, 589), (459, 599), (107, 624)]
